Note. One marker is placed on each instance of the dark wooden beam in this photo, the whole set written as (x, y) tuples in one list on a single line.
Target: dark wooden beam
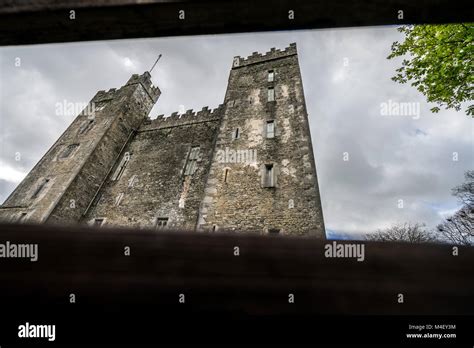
[(164, 264), (46, 21)]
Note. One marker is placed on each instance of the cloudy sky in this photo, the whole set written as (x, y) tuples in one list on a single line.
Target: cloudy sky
[(346, 79)]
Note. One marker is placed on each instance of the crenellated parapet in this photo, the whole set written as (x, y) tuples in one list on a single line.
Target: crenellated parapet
[(102, 96), (145, 80), (256, 57), (189, 117)]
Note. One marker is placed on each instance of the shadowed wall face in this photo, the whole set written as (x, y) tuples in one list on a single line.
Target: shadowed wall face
[(63, 183), (162, 183)]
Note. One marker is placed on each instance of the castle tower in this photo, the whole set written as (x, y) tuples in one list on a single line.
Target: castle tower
[(63, 183), (263, 175), (247, 165)]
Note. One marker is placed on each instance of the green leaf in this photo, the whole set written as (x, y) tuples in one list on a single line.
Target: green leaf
[(438, 61)]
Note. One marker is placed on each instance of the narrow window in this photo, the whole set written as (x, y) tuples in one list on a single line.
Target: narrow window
[(132, 180), (270, 129), (22, 218), (161, 223), (118, 199), (98, 199), (98, 222), (271, 94), (237, 133), (91, 108), (214, 228), (273, 231), (68, 151), (226, 173), (121, 167), (271, 76), (99, 106), (191, 164), (40, 188), (86, 126), (268, 176)]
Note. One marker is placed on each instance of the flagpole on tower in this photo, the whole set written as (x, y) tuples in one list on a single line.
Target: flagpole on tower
[(157, 59)]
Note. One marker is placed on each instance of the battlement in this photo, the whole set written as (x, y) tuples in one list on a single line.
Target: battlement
[(103, 95), (189, 117), (270, 55), (145, 80)]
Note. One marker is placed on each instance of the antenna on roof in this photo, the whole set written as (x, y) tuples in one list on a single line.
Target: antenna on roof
[(157, 59)]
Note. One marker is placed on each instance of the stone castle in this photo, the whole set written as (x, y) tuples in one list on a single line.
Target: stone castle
[(247, 165)]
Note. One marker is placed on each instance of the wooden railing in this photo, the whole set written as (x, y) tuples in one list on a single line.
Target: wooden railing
[(92, 264)]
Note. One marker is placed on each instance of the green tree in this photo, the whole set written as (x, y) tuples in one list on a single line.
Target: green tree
[(439, 63)]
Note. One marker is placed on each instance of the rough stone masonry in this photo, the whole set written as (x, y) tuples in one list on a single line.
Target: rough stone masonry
[(247, 165)]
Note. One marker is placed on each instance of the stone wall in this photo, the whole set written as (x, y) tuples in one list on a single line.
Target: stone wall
[(235, 197), (154, 184)]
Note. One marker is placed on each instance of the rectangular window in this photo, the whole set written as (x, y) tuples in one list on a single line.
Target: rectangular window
[(132, 180), (237, 133), (271, 94), (270, 129), (40, 188), (118, 199), (226, 174), (121, 167), (92, 107), (268, 178), (22, 218), (98, 222), (191, 164), (99, 106), (273, 231), (86, 126), (98, 199), (271, 76), (68, 151), (161, 223)]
